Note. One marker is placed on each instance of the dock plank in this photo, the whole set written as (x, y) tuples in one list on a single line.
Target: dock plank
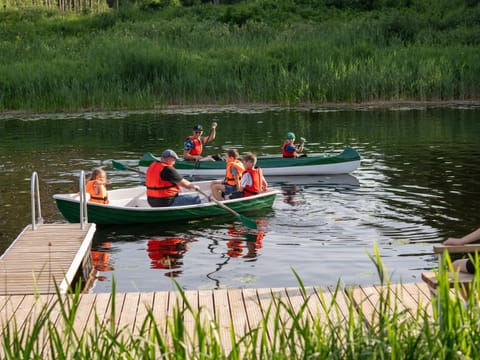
[(40, 260)]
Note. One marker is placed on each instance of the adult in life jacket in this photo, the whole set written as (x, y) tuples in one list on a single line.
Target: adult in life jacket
[(96, 186), (163, 183), (193, 145), (233, 175), (253, 181), (289, 149)]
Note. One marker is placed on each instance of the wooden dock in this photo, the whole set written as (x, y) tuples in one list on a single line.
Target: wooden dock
[(240, 309), (41, 259)]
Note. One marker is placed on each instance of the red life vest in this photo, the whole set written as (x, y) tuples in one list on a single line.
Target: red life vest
[(156, 186), (198, 145), (288, 154), (256, 187), (98, 193), (229, 178)]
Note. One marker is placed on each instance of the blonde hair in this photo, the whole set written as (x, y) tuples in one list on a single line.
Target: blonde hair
[(250, 157), (97, 173)]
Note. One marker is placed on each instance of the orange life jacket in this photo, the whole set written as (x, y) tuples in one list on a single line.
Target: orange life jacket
[(98, 193), (229, 178), (198, 145), (288, 154), (156, 186), (256, 187)]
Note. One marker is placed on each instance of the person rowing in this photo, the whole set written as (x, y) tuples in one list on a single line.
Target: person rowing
[(163, 183), (289, 149), (193, 145)]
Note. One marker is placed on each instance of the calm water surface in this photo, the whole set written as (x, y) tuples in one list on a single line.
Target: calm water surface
[(418, 183)]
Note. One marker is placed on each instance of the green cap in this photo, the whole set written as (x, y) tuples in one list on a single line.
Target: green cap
[(290, 135)]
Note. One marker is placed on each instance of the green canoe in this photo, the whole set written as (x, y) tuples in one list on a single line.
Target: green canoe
[(343, 163)]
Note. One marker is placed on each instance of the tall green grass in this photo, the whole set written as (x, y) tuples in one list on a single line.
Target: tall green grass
[(50, 61), (452, 332)]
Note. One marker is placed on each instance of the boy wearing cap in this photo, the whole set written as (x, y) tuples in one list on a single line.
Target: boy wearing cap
[(289, 149), (163, 183), (193, 145)]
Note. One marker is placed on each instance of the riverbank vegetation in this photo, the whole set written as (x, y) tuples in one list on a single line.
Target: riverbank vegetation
[(446, 329), (142, 54)]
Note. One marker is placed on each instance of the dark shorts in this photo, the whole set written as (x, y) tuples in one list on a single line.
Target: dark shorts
[(470, 266), (230, 189), (160, 202)]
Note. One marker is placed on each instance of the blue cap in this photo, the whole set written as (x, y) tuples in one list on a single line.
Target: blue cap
[(170, 153)]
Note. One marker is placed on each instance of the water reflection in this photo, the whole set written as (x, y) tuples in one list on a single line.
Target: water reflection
[(241, 245), (167, 253), (101, 260)]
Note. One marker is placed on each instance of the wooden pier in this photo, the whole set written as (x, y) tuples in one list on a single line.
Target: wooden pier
[(40, 260), (240, 309)]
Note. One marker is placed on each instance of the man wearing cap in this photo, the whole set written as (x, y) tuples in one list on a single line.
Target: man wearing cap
[(163, 183), (289, 150), (193, 145)]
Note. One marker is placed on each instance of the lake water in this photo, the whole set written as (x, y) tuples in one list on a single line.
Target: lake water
[(418, 183)]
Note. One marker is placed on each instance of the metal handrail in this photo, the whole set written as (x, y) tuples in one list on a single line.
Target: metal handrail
[(34, 186), (83, 201)]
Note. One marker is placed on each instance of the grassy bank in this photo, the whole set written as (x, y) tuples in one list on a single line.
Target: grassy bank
[(285, 52), (394, 333)]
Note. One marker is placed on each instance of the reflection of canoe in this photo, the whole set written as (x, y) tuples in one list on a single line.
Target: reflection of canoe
[(343, 163), (325, 180), (129, 206)]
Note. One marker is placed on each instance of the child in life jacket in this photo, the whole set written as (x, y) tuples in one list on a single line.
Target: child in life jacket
[(97, 186), (233, 175), (253, 181), (289, 149)]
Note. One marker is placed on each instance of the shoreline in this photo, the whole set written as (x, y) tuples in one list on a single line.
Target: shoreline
[(371, 105)]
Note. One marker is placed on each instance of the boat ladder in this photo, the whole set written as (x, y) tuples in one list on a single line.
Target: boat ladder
[(35, 195)]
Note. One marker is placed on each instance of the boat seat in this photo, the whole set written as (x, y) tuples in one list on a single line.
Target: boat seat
[(138, 201), (463, 279)]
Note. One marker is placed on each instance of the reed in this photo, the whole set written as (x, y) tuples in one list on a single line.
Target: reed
[(286, 332), (50, 61)]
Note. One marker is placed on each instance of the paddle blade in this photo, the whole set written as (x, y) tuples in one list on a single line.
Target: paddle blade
[(252, 224), (119, 166)]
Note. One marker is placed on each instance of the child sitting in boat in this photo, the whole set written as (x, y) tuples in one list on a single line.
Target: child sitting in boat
[(97, 186), (289, 149), (231, 183), (253, 181)]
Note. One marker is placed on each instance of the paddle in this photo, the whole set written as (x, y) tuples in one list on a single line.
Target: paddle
[(246, 221), (120, 166)]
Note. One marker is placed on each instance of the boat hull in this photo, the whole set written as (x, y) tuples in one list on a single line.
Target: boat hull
[(344, 163), (121, 210)]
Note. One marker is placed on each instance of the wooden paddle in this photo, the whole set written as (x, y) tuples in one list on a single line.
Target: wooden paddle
[(120, 166), (246, 221)]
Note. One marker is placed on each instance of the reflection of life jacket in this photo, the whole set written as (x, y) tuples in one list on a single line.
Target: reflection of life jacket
[(197, 145), (101, 260), (167, 253), (256, 187), (98, 193), (156, 186), (235, 248), (288, 154), (229, 178)]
